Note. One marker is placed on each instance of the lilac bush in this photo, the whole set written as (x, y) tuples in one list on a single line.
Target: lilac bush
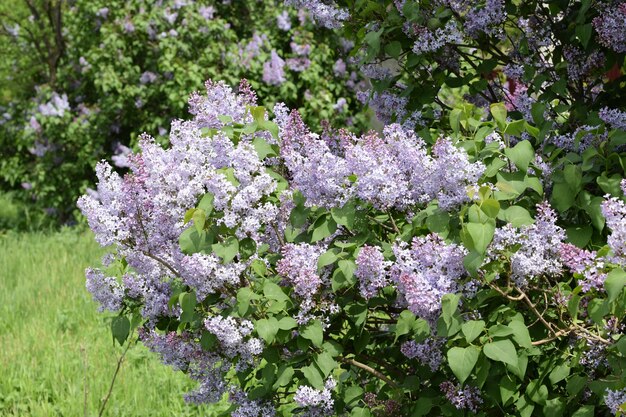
[(295, 273)]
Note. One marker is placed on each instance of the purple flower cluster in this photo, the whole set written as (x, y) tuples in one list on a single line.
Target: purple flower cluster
[(487, 19), (233, 337), (318, 403), (611, 27), (183, 353), (614, 211), (327, 15), (299, 267), (538, 246), (425, 271), (614, 118), (370, 270), (105, 290), (583, 262), (428, 353), (431, 41), (392, 170), (56, 107), (141, 213), (615, 399), (273, 70), (467, 398)]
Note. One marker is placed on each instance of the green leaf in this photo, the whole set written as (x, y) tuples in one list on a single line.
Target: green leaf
[(188, 301), (502, 351), (247, 248), (188, 215), (284, 376), (537, 392), (449, 304), (520, 334), (559, 373), (585, 411), (345, 215), (314, 376), (274, 292), (262, 148), (498, 111), (579, 235), (583, 33), (614, 283), (347, 267), (455, 119), (480, 234), (393, 49), (323, 227), (508, 389), (438, 222), (472, 329), (326, 363), (244, 295), (521, 154), (206, 203), (352, 394), (120, 328), (462, 361), (517, 216), (562, 196), (573, 177), (227, 250), (326, 258), (313, 332), (267, 329), (490, 207), (287, 323)]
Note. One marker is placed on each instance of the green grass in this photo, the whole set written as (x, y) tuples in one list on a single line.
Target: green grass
[(56, 352)]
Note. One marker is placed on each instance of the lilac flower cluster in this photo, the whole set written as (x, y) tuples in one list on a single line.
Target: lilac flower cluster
[(233, 337), (467, 398), (141, 214), (273, 70), (614, 118), (611, 27), (615, 399), (249, 408), (299, 267), (431, 41), (183, 353), (487, 19), (327, 15), (428, 353), (614, 211), (583, 262), (318, 403), (370, 270), (392, 170), (538, 245), (105, 290), (425, 271), (56, 107)]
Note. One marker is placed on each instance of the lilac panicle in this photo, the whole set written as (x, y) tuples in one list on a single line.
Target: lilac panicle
[(273, 70), (428, 353), (327, 15), (467, 398), (615, 400), (425, 271), (370, 270), (299, 267), (105, 290)]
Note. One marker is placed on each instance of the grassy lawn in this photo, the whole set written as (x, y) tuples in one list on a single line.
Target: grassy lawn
[(56, 353)]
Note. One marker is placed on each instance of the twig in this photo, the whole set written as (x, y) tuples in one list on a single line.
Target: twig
[(371, 370), (117, 369)]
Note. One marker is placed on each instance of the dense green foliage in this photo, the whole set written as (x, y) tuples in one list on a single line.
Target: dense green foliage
[(114, 70)]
